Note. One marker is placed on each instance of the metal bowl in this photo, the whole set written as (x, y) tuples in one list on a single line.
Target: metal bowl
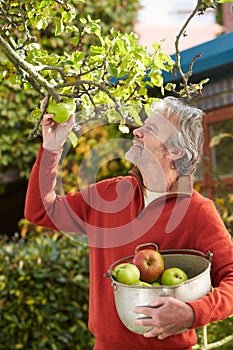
[(195, 263)]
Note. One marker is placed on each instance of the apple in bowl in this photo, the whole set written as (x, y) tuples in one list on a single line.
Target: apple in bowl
[(126, 273), (150, 264), (173, 276)]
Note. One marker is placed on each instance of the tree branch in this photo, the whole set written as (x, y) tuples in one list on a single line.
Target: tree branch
[(96, 84), (34, 133), (185, 76), (29, 70)]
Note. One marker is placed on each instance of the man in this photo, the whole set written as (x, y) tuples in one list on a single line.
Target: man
[(154, 203)]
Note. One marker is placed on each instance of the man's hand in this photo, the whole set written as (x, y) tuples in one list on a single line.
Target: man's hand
[(54, 134), (168, 316)]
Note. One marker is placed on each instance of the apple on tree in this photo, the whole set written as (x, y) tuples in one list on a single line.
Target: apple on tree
[(150, 264), (62, 111), (126, 273), (173, 276)]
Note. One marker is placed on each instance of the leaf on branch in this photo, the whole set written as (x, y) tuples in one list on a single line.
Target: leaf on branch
[(59, 26), (34, 114), (73, 139), (223, 1)]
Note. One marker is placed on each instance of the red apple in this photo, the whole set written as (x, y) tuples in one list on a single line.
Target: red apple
[(126, 273), (150, 264), (173, 276)]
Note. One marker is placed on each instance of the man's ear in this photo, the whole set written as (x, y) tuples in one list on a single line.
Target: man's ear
[(176, 153)]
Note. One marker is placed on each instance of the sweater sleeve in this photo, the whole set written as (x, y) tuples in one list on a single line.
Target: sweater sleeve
[(43, 206), (211, 233)]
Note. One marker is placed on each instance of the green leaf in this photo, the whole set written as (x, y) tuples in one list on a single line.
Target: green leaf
[(59, 26), (34, 114), (72, 29), (156, 79), (170, 86), (113, 116), (73, 139)]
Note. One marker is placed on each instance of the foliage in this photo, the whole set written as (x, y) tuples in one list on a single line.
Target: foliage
[(44, 284), (224, 197), (224, 1), (15, 150), (225, 208), (216, 335), (118, 14), (83, 50), (98, 155), (86, 75), (16, 101), (51, 45)]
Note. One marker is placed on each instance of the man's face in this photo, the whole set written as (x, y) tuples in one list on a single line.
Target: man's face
[(149, 151)]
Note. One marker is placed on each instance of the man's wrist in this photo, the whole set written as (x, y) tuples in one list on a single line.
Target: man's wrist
[(191, 316), (52, 148)]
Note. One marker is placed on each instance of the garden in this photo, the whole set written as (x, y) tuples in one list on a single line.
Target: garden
[(85, 51)]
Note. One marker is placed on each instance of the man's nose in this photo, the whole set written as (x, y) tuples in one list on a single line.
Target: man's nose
[(139, 132)]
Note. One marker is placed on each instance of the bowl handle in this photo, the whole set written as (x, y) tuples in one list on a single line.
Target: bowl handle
[(146, 245)]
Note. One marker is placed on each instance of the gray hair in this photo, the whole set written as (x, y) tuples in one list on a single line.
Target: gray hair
[(190, 136)]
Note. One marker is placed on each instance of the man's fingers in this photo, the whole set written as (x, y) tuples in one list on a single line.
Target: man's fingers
[(48, 120), (71, 120), (142, 310), (156, 332), (160, 301), (43, 103), (143, 322)]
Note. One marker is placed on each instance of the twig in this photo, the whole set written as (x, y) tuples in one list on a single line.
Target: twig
[(220, 342), (28, 70), (189, 73), (96, 84), (34, 133), (184, 76)]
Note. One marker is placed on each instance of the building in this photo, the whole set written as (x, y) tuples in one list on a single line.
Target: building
[(163, 21), (215, 43), (216, 63)]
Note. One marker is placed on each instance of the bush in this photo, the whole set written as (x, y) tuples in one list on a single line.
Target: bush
[(44, 289)]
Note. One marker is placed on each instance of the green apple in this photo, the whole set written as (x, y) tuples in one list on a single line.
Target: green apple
[(142, 284), (116, 269), (62, 110), (126, 273), (173, 276), (155, 284)]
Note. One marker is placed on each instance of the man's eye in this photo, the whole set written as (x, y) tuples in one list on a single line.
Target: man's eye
[(149, 128)]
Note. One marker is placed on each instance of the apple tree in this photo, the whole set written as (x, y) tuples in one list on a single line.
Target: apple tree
[(18, 99), (57, 49)]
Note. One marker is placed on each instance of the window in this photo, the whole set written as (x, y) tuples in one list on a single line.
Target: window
[(222, 154), (216, 173)]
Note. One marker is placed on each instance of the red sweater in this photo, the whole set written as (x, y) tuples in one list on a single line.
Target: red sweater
[(112, 214)]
